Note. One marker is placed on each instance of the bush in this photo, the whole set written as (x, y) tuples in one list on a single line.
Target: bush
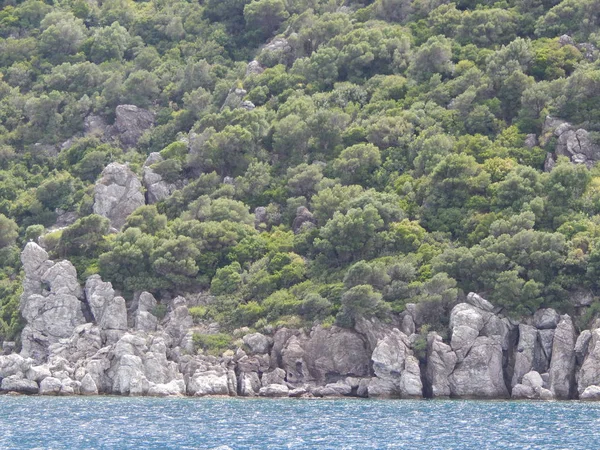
[(213, 344)]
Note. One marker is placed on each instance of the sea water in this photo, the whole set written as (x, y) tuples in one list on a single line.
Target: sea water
[(196, 423)]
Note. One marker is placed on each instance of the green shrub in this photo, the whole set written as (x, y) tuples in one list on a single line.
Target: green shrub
[(213, 344)]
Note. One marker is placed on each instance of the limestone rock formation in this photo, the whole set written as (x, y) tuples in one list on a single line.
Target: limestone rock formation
[(396, 369), (562, 366), (157, 189), (304, 219), (532, 388), (109, 311), (441, 361), (572, 142), (589, 374), (480, 374), (326, 355), (117, 194), (50, 303), (258, 343), (130, 123)]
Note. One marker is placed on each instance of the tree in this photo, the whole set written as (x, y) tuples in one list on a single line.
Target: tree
[(434, 56), (109, 43), (147, 219), (141, 88), (356, 164), (84, 238), (352, 235), (62, 35), (264, 17), (358, 302), (9, 231)]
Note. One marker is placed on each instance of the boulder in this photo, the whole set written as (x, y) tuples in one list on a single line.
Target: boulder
[(144, 319), (531, 141), (157, 189), (258, 343), (276, 376), (581, 298), (15, 383), (254, 68), (304, 219), (591, 393), (61, 279), (117, 194), (14, 364), (524, 356), (130, 123), (274, 390), (248, 384), (175, 388), (326, 356), (480, 374), (88, 385), (545, 319), (280, 339), (210, 382), (581, 346), (479, 302), (178, 321), (532, 388), (50, 386), (338, 389), (562, 365), (543, 350), (572, 142), (38, 373), (95, 126), (109, 312), (98, 294)]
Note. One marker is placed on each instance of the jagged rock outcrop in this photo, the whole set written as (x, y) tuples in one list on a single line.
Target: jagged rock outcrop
[(326, 355), (117, 194), (130, 352), (562, 366), (157, 189), (254, 68), (395, 367), (130, 123), (304, 220), (480, 373), (277, 51), (525, 354), (50, 303), (482, 343), (441, 361), (234, 99), (589, 374), (144, 319), (572, 142), (109, 311), (95, 126), (532, 388)]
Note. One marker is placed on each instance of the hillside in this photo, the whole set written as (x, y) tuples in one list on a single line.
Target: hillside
[(304, 161)]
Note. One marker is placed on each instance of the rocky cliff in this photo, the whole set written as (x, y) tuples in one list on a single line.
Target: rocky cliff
[(88, 340)]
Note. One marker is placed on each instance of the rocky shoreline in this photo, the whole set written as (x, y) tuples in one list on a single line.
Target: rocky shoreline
[(89, 341)]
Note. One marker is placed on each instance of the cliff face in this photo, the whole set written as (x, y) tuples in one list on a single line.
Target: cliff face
[(86, 341)]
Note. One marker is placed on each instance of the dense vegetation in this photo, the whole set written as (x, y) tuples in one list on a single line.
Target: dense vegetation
[(399, 124)]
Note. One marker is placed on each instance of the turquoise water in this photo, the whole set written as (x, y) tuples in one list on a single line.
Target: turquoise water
[(150, 423)]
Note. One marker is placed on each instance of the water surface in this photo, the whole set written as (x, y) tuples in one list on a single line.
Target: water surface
[(188, 423)]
